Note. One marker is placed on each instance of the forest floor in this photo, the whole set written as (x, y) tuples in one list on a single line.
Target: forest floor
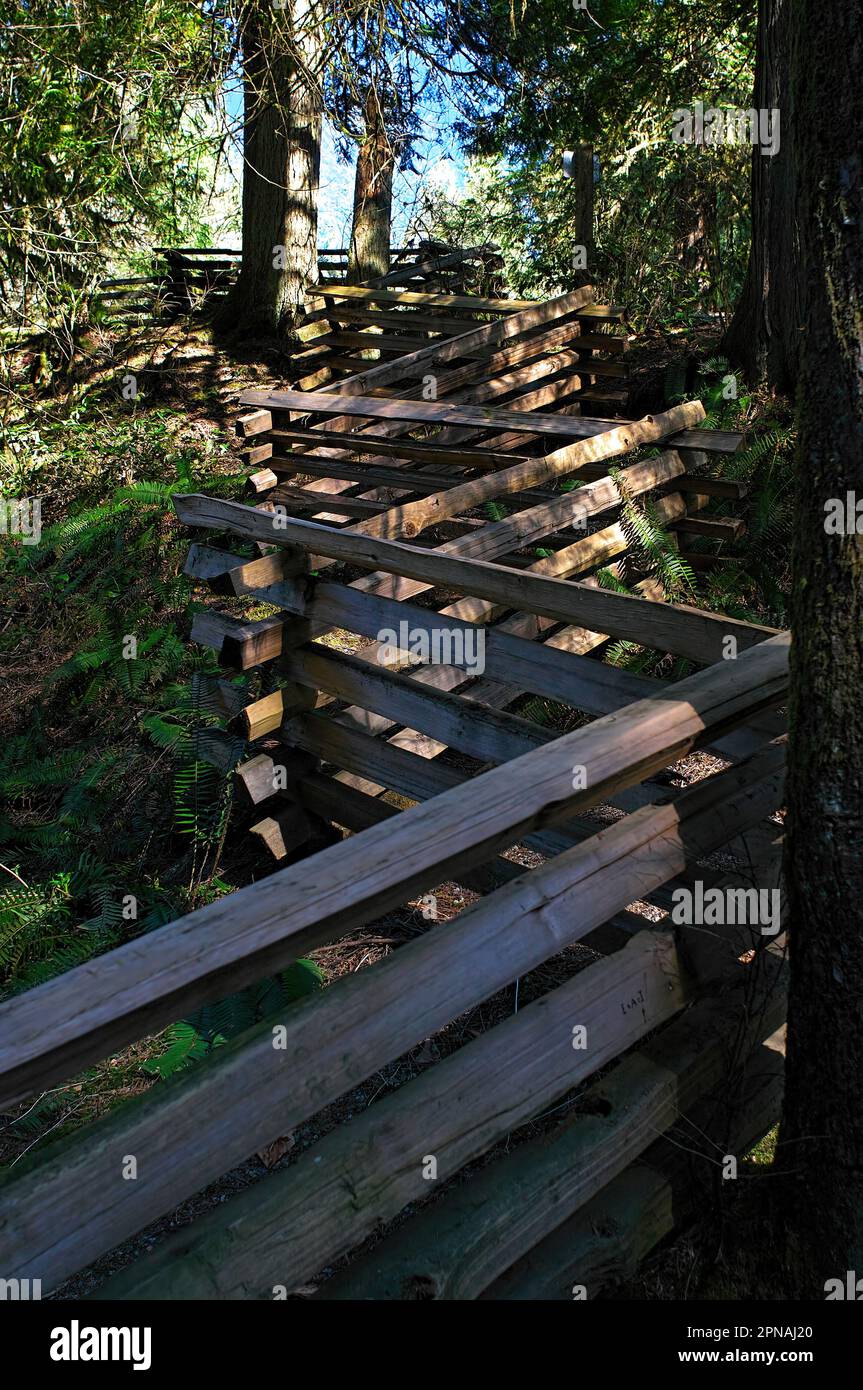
[(66, 700)]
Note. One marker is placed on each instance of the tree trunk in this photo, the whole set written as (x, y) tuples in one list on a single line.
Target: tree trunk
[(282, 159), (821, 1140), (765, 334), (369, 253), (584, 271), (695, 243)]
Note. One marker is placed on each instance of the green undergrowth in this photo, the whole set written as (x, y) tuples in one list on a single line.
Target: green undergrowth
[(110, 824), (750, 578), (754, 581)]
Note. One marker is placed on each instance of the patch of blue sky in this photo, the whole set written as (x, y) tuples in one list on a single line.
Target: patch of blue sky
[(437, 162)]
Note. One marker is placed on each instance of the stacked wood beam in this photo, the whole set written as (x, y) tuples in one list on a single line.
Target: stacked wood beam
[(184, 279), (412, 523), (64, 1212)]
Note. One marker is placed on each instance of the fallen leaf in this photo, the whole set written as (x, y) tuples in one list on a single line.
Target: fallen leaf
[(270, 1155)]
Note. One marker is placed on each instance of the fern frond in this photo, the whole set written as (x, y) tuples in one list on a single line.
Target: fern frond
[(652, 548), (607, 579), (214, 1024)]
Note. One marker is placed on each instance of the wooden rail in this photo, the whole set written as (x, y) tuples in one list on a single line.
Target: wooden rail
[(71, 1207), (188, 279), (451, 632)]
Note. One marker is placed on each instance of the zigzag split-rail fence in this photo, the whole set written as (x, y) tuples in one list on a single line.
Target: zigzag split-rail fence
[(651, 1047), (186, 280)]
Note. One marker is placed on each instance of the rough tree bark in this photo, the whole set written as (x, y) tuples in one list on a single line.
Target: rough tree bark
[(764, 337), (821, 1137), (583, 225), (696, 239), (282, 159), (369, 252)]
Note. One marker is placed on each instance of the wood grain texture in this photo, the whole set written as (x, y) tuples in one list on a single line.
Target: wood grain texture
[(685, 631), (151, 981), (74, 1205)]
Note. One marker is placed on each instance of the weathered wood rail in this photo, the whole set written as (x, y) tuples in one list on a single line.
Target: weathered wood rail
[(454, 620), (185, 279), (433, 292)]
